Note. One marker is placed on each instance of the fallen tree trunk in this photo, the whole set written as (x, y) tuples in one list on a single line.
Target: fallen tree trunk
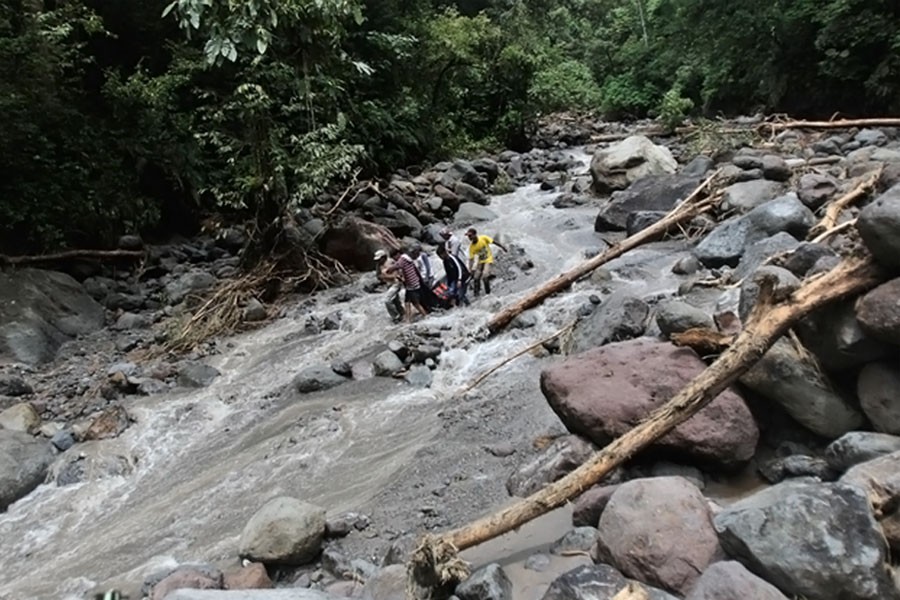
[(691, 207), (435, 566), (775, 127), (70, 255)]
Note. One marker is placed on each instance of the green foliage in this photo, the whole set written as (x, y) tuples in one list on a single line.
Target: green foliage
[(673, 108), (565, 86)]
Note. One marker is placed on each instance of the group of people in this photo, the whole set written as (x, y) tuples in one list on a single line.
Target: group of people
[(411, 271)]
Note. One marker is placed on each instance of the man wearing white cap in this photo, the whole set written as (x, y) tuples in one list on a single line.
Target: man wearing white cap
[(453, 245), (383, 264)]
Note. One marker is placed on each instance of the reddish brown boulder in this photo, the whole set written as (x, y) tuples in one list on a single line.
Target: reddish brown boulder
[(604, 392), (251, 577), (187, 577), (589, 506), (878, 312)]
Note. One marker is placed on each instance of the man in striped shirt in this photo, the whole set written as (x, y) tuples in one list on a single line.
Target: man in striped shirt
[(412, 282)]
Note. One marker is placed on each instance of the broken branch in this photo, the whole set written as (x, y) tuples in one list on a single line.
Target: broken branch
[(691, 207), (775, 127), (863, 188), (70, 255)]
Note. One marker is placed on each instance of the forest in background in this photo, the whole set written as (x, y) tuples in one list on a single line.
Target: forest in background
[(124, 116)]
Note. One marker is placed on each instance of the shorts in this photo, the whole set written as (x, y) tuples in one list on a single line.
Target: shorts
[(413, 296)]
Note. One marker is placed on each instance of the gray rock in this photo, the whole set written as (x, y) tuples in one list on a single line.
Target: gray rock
[(871, 137), (655, 193), (834, 335), (595, 582), (317, 378), (24, 462), (669, 469), (797, 535), (687, 265), (726, 243), (816, 189), (747, 195), (419, 376), (623, 163), (676, 316), (805, 256), (785, 376), (387, 363), (284, 531), (130, 320), (341, 525), (20, 417), (487, 583), (698, 167), (858, 447), (785, 282), (580, 539), (564, 455), (641, 220), (255, 311), (470, 193), (775, 168), (193, 282), (879, 225), (462, 171), (622, 318), (131, 242), (537, 562), (469, 213), (388, 583), (63, 440), (877, 387), (39, 310), (193, 374), (14, 386), (797, 465), (879, 312), (730, 580), (487, 166), (660, 531), (758, 253)]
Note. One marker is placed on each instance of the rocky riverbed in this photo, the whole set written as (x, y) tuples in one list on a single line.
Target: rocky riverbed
[(319, 446)]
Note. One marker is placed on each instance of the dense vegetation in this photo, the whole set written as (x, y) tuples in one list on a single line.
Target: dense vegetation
[(117, 113)]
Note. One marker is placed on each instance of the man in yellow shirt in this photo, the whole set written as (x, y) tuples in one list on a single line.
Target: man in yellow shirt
[(481, 258)]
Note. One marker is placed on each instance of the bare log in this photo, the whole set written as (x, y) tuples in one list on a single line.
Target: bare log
[(435, 564), (863, 188), (70, 255), (776, 126), (691, 207), (703, 340), (511, 358)]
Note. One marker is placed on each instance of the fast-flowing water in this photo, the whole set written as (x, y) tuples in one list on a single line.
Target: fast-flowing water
[(201, 461)]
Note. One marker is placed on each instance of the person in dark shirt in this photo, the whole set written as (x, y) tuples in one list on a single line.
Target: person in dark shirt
[(457, 276)]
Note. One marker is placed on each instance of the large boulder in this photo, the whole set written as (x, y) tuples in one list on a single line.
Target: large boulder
[(470, 212), (24, 462), (603, 393), (730, 580), (877, 389), (879, 312), (725, 244), (879, 226), (465, 172), (787, 376), (39, 310), (353, 242), (819, 541), (620, 165), (658, 530), (284, 531), (596, 582), (317, 378), (651, 193), (487, 583)]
